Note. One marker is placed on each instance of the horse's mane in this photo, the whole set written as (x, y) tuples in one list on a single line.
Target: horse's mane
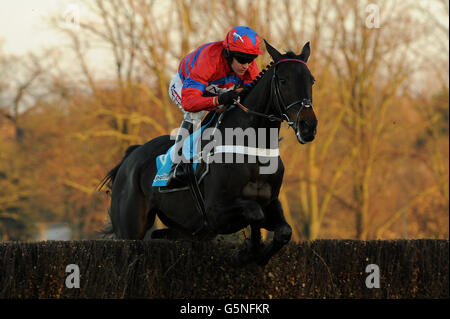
[(247, 90)]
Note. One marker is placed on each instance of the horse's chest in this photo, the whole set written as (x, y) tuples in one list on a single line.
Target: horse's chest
[(258, 190)]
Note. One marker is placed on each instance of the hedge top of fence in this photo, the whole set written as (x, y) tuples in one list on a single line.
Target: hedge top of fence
[(183, 269)]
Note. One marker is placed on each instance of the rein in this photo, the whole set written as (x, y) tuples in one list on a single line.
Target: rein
[(270, 117), (274, 89)]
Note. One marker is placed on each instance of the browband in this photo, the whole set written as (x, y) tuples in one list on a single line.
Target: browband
[(288, 60)]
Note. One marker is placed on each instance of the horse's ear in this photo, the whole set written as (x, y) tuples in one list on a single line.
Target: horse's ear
[(305, 52), (276, 56)]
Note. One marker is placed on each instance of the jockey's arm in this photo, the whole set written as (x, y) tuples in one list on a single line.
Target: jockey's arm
[(194, 87), (192, 97), (195, 84)]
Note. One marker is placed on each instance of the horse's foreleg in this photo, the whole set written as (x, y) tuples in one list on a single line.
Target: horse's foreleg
[(252, 250), (276, 222), (255, 238), (230, 217)]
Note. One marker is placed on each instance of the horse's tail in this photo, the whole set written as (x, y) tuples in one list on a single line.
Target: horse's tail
[(108, 229), (108, 180)]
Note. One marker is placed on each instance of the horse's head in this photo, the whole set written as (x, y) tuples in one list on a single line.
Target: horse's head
[(291, 91)]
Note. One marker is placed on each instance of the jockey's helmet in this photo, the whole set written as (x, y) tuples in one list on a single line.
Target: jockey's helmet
[(243, 43)]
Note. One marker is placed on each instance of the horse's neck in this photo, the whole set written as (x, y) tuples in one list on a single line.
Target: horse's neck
[(260, 100), (257, 100)]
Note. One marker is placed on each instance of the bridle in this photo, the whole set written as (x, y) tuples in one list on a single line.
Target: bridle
[(277, 98)]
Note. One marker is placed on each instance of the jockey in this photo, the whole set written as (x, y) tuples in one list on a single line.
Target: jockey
[(207, 78)]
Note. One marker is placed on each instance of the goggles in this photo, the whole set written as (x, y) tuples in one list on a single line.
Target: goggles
[(244, 58)]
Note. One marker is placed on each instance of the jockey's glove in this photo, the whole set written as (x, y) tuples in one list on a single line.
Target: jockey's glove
[(228, 97)]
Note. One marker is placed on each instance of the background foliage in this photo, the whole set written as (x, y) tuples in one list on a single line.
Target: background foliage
[(378, 168)]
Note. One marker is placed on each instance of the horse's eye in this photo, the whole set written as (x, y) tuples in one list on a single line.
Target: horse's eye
[(282, 81)]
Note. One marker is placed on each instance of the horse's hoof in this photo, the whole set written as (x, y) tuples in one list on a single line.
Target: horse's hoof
[(243, 256), (238, 259), (262, 262), (263, 257), (248, 254)]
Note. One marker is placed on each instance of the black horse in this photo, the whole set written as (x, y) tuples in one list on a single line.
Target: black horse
[(234, 195)]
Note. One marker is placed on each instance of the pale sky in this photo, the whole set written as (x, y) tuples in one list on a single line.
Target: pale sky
[(23, 26)]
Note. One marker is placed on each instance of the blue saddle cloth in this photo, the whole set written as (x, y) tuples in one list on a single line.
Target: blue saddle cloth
[(190, 147)]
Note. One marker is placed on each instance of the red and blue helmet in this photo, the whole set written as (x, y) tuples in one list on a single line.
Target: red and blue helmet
[(243, 39)]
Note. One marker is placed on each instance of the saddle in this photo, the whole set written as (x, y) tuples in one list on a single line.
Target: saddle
[(190, 152)]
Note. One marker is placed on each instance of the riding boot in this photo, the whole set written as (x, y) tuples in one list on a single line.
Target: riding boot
[(177, 174)]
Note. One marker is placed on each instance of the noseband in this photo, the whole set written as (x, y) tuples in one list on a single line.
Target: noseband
[(278, 99)]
